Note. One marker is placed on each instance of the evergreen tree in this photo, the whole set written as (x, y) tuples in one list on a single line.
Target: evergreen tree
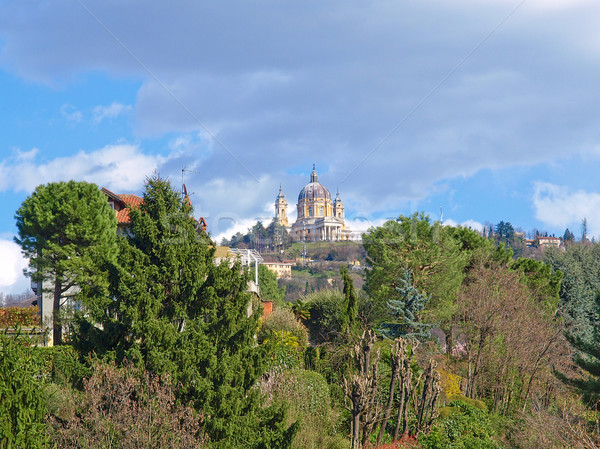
[(405, 311), (587, 358), (350, 300), (568, 236), (269, 286), (173, 311), (68, 231)]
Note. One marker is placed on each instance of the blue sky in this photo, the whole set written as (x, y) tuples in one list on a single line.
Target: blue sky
[(486, 109)]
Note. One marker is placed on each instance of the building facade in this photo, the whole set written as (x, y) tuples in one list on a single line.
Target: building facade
[(318, 217)]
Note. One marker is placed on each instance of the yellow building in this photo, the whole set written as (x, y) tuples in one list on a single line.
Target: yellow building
[(318, 217)]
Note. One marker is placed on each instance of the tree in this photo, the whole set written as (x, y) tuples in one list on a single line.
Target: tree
[(128, 408), (580, 264), (404, 311), (351, 302), (173, 311), (429, 250), (587, 358), (568, 236), (508, 335), (269, 286), (68, 232)]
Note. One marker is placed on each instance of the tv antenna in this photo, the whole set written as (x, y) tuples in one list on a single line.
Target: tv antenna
[(184, 191)]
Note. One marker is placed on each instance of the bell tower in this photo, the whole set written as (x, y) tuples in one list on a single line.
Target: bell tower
[(338, 207), (281, 209)]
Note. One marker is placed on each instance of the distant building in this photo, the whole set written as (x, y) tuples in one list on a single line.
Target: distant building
[(280, 269), (544, 242), (318, 218)]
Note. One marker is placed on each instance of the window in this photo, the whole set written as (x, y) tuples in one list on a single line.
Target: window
[(322, 210)]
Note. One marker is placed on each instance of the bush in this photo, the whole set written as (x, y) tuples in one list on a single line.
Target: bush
[(125, 408), (326, 315), (283, 320), (63, 366), (461, 426), (306, 394), (20, 316), (22, 402)]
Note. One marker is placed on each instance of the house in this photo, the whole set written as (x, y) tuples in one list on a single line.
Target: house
[(283, 270)]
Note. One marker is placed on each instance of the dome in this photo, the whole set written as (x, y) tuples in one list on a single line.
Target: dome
[(314, 189)]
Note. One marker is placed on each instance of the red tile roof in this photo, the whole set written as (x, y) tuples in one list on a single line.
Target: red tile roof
[(121, 201), (133, 201)]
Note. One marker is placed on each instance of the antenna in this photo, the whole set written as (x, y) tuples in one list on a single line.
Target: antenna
[(184, 170), (441, 216)]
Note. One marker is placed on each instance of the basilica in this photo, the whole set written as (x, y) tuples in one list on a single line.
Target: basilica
[(318, 217)]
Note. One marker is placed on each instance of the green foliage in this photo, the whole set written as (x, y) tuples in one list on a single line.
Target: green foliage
[(22, 402), (327, 315), (68, 232), (543, 284), (581, 267), (429, 250), (284, 320), (269, 287), (351, 302), (568, 236), (306, 394), (285, 338), (62, 365), (260, 238), (405, 312), (464, 426), (587, 358), (173, 311)]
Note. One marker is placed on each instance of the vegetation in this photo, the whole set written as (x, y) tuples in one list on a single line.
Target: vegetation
[(451, 340), (68, 232)]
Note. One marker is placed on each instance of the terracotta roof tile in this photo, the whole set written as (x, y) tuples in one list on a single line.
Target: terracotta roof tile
[(133, 201)]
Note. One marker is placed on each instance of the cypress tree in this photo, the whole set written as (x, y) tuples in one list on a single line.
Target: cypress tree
[(350, 301)]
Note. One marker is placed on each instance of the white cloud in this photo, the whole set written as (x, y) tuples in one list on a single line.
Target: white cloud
[(70, 113), (12, 264), (471, 224), (559, 207), (109, 112), (122, 167)]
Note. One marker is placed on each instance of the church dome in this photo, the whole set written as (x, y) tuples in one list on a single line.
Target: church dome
[(314, 189)]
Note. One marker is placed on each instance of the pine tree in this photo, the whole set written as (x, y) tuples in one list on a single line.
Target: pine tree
[(68, 231), (404, 311), (173, 311), (587, 357)]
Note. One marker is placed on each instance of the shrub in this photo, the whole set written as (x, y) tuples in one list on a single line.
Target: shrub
[(283, 320), (19, 316), (461, 426), (22, 402), (306, 394), (125, 408)]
